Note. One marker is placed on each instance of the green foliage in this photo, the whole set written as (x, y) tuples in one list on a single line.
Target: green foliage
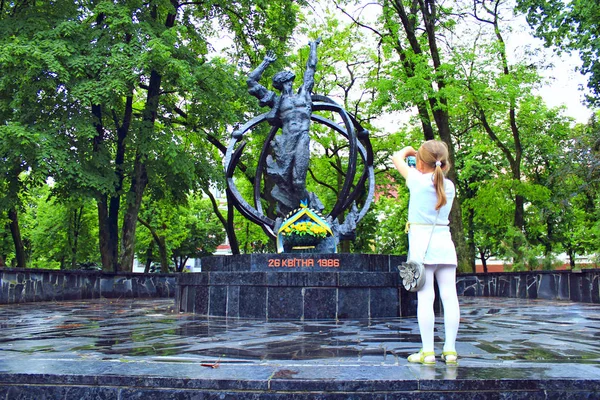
[(525, 257), (570, 26), (130, 104), (391, 213), (65, 234), (59, 235), (178, 232), (204, 233), (251, 238), (119, 97)]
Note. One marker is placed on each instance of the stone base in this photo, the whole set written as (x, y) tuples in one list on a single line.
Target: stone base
[(296, 287)]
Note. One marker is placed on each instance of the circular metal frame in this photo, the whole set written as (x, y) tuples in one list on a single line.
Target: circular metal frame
[(359, 143)]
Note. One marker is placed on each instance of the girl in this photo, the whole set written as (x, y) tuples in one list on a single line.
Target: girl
[(431, 196)]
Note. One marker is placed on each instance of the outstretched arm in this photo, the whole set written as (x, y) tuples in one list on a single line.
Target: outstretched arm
[(254, 88), (311, 66), (265, 97)]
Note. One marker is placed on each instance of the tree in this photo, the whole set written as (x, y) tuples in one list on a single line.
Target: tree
[(117, 74), (179, 232), (391, 213), (61, 233), (577, 178), (473, 91), (498, 96), (477, 160), (20, 173), (204, 232), (420, 79), (126, 105), (347, 62)]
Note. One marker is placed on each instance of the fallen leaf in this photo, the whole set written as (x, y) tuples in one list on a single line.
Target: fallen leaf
[(284, 373)]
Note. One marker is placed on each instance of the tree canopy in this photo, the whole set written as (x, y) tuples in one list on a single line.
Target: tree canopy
[(116, 116), (570, 26)]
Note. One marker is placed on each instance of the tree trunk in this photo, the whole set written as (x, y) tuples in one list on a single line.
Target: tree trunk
[(409, 69), (180, 263), (227, 223), (75, 229), (139, 180), (466, 259), (162, 251), (515, 161), (148, 259), (229, 226), (138, 185), (471, 238), (160, 243), (108, 238), (344, 245), (15, 230), (439, 107), (483, 261), (115, 199), (247, 242), (72, 239), (108, 208), (572, 256)]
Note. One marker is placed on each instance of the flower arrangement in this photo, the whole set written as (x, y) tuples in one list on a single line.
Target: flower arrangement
[(303, 228), (302, 231)]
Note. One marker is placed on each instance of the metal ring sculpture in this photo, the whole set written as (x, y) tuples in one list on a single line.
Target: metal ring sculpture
[(359, 142)]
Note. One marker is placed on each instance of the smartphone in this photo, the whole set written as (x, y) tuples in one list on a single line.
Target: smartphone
[(411, 161)]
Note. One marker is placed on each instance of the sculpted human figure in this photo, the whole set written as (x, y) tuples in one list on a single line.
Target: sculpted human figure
[(291, 111)]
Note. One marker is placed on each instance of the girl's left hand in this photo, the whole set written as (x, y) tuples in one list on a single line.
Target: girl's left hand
[(405, 152), (399, 159)]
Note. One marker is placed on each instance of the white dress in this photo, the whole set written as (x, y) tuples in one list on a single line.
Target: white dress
[(422, 215)]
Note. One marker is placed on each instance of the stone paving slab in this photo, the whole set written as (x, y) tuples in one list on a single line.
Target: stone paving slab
[(121, 349)]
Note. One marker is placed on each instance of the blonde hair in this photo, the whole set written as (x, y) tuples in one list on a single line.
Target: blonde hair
[(434, 153)]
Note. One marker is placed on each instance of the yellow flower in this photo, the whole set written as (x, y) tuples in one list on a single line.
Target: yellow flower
[(302, 228)]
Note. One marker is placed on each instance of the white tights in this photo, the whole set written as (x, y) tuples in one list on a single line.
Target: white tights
[(446, 279)]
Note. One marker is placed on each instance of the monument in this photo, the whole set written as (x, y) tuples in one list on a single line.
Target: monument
[(307, 278), (285, 160)]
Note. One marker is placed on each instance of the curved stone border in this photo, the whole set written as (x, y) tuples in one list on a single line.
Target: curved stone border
[(30, 285), (581, 286)]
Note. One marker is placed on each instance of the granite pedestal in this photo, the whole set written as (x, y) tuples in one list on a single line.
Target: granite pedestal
[(296, 287)]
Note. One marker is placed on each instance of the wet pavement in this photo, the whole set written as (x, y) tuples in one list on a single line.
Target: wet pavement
[(129, 348)]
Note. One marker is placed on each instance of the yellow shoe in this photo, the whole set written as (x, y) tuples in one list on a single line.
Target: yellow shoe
[(425, 358), (450, 357)]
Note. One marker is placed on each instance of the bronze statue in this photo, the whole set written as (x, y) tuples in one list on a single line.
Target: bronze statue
[(291, 111), (285, 158)]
